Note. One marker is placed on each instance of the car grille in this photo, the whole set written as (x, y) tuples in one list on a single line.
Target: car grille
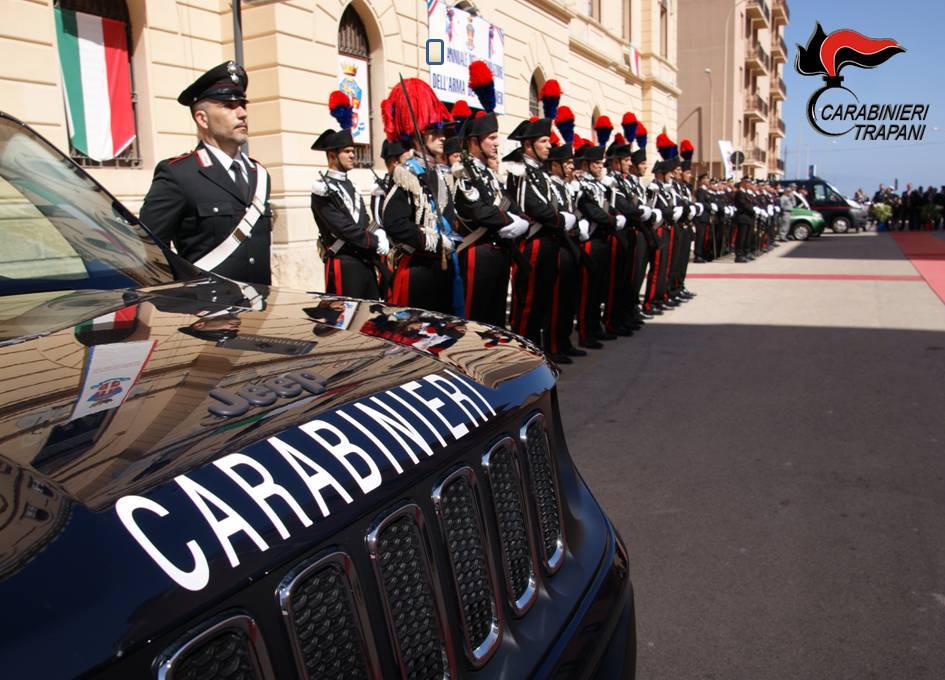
[(403, 568), (461, 523), (544, 488), (323, 605), (324, 625), (226, 649), (509, 507)]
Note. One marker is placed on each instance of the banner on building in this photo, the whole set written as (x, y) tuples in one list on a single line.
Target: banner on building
[(466, 38), (726, 149), (353, 81), (633, 60), (96, 77)]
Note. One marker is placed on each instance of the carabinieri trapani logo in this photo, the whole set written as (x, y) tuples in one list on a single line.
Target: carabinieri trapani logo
[(827, 55)]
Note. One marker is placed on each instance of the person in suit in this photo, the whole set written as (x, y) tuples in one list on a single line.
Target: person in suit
[(212, 203)]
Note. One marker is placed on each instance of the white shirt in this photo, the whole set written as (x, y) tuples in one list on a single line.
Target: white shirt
[(227, 162)]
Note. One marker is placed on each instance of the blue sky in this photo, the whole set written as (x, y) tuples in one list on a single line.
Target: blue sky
[(917, 76)]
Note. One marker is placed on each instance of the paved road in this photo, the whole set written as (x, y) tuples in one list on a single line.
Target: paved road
[(773, 453)]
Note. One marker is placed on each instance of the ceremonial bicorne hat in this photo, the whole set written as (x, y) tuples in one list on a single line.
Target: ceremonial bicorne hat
[(339, 105), (226, 82)]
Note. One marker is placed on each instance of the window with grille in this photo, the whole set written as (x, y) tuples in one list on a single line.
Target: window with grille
[(664, 29), (533, 96), (90, 130), (353, 42)]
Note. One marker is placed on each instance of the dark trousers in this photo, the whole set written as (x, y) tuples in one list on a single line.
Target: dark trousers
[(637, 273), (684, 255), (655, 277), (702, 245), (351, 276), (420, 281), (592, 291), (532, 288), (742, 237), (564, 301), (682, 242), (617, 292), (485, 271)]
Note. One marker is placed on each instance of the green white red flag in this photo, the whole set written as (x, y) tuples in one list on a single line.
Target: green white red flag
[(96, 75)]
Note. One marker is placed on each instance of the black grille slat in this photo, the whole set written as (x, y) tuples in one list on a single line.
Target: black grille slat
[(227, 655), (544, 489), (325, 625), (473, 581), (405, 578), (510, 515)]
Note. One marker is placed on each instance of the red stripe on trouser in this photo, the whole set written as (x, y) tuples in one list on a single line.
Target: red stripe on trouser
[(530, 294), (553, 331), (654, 275), (336, 264), (398, 295), (669, 263), (470, 277), (585, 285), (611, 280)]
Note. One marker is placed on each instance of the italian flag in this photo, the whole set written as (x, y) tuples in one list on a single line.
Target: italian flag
[(93, 57)]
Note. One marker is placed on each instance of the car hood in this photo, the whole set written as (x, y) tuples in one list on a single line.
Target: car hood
[(122, 410)]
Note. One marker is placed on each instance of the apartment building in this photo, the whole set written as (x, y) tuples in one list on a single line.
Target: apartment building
[(731, 59)]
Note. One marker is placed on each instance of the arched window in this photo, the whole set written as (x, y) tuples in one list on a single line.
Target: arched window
[(533, 101), (101, 112), (354, 77)]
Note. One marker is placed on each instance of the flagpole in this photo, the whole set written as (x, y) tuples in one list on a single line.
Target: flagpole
[(238, 45)]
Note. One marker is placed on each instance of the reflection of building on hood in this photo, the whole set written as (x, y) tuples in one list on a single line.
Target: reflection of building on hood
[(213, 330), (224, 333), (40, 511)]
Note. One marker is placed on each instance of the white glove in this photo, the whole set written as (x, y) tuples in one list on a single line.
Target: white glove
[(692, 211), (770, 210), (383, 245), (700, 208), (757, 210), (677, 213), (569, 220), (515, 229), (621, 221), (647, 212), (714, 206), (584, 229), (657, 217)]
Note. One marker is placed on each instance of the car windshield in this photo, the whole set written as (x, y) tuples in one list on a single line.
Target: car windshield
[(836, 192), (60, 230)]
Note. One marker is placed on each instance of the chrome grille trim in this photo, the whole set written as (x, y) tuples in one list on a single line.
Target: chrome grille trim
[(491, 464), (286, 597), (167, 665), (373, 539), (478, 654), (545, 499)]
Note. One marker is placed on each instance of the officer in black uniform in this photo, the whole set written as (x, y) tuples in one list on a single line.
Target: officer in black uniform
[(350, 242), (486, 221), (393, 154), (647, 240), (212, 203)]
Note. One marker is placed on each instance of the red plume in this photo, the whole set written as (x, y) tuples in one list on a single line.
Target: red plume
[(429, 111), (461, 109), (479, 74), (628, 118), (564, 114), (619, 138), (603, 123), (551, 88)]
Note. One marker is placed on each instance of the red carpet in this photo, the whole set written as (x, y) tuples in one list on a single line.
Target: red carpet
[(811, 277), (926, 252)]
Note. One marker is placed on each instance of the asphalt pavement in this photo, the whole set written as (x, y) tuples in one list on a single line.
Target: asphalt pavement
[(773, 454)]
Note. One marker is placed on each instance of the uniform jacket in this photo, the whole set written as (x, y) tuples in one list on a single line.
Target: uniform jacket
[(194, 204), (340, 213), (478, 199), (408, 213)]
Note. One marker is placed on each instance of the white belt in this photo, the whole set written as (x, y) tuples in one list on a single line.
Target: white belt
[(228, 246)]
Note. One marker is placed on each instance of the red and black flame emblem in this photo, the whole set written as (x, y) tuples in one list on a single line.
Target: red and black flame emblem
[(827, 55)]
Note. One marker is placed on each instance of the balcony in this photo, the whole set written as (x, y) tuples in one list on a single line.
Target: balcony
[(779, 12), (756, 157), (776, 129), (756, 58), (778, 89), (756, 108), (779, 164), (757, 10), (778, 50)]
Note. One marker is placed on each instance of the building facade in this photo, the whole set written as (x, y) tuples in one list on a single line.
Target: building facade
[(731, 59), (610, 56)]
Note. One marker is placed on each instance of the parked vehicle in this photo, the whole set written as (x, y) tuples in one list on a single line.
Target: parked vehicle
[(841, 213), (206, 479), (805, 223)]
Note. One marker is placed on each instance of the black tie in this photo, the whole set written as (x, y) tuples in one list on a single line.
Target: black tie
[(241, 184)]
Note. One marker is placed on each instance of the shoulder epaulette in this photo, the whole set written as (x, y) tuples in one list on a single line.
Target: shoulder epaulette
[(171, 161)]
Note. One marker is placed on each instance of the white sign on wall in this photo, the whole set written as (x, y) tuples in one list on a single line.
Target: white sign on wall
[(466, 39), (353, 81)]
